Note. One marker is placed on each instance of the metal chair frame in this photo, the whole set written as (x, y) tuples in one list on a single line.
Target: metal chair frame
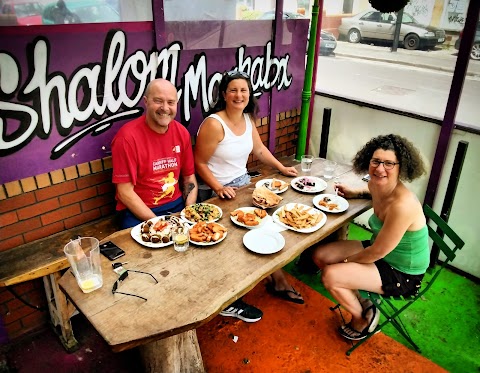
[(385, 305)]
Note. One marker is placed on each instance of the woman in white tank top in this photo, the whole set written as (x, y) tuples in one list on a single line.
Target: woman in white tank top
[(224, 142), (226, 138)]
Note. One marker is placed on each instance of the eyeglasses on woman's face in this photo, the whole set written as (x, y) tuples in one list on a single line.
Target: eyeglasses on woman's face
[(388, 165), (123, 276)]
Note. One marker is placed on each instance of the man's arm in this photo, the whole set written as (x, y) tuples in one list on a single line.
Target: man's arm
[(133, 202), (190, 189)]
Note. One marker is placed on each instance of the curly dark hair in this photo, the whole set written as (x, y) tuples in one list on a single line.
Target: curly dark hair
[(411, 163), (220, 104)]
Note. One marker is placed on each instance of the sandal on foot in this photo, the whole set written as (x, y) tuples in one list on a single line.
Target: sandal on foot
[(348, 332), (375, 318), (284, 294)]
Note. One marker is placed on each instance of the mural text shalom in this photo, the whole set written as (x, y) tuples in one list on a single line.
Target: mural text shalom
[(98, 94)]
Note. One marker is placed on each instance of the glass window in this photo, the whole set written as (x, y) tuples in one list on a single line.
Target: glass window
[(372, 17), (417, 77), (200, 24), (20, 13), (468, 111), (55, 12)]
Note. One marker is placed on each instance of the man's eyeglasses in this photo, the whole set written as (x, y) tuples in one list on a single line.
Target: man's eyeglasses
[(236, 73), (123, 276), (388, 165)]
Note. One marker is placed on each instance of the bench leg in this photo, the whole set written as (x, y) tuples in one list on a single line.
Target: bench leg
[(179, 353), (60, 311)]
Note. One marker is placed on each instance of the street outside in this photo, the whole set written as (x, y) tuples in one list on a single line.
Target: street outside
[(415, 81)]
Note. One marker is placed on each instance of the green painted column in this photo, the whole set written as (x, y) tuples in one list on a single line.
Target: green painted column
[(307, 85)]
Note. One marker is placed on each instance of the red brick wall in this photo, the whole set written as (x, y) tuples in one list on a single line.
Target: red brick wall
[(37, 207), (42, 205), (285, 137)]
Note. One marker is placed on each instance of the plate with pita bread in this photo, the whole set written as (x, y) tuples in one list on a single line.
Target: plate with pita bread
[(275, 185), (264, 198)]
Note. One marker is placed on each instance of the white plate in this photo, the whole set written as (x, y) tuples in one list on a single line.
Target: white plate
[(319, 186), (182, 213), (342, 203), (311, 210), (245, 210), (262, 241), (267, 182), (136, 234), (212, 242)]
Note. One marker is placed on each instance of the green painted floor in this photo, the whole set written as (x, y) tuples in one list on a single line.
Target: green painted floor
[(445, 325)]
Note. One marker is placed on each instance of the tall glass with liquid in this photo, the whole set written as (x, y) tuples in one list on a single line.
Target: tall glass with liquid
[(83, 254)]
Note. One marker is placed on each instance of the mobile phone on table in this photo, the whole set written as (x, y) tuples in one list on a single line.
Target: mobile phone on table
[(254, 173), (111, 251)]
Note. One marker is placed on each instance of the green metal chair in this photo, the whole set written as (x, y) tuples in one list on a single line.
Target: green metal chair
[(385, 304)]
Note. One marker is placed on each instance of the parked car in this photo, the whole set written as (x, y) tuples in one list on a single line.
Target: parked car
[(79, 11), (328, 43), (286, 15), (373, 25), (475, 53), (27, 13)]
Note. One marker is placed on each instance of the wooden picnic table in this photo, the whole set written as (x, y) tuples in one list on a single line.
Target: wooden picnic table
[(193, 286)]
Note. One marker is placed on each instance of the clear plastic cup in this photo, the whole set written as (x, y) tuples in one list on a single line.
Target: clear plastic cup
[(83, 254)]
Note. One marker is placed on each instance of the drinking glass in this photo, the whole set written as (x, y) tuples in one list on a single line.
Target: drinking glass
[(329, 169), (307, 161), (83, 255), (181, 238)]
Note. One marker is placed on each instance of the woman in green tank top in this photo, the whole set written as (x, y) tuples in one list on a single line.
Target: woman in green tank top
[(394, 260)]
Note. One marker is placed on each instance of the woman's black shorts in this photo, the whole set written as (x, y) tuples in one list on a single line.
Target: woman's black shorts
[(394, 282)]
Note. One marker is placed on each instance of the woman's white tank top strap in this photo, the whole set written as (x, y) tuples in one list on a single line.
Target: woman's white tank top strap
[(230, 158)]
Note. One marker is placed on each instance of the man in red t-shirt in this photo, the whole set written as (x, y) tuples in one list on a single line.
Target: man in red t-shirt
[(153, 160)]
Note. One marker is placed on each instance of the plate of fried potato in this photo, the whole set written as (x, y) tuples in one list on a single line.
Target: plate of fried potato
[(206, 212), (248, 217), (207, 234), (330, 203), (299, 217), (275, 185)]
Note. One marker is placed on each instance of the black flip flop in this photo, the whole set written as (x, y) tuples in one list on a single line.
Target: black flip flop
[(348, 332), (284, 293)]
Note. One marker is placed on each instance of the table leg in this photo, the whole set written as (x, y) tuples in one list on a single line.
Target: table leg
[(60, 311), (179, 353), (341, 233)]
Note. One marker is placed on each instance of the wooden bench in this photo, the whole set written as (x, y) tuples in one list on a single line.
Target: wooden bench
[(45, 258)]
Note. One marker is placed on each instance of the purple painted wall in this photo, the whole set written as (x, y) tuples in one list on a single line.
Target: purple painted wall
[(65, 90)]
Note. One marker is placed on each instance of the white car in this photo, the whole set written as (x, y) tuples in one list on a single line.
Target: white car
[(373, 25)]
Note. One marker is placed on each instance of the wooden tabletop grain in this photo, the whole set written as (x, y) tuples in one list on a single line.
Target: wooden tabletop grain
[(196, 285)]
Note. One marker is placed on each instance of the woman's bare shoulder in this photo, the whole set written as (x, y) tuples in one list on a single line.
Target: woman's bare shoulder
[(211, 124), (407, 206)]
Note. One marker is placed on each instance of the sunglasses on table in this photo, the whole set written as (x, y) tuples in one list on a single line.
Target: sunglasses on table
[(388, 165), (122, 277)]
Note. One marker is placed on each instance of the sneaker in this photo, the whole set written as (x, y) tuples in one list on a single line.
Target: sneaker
[(242, 311)]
